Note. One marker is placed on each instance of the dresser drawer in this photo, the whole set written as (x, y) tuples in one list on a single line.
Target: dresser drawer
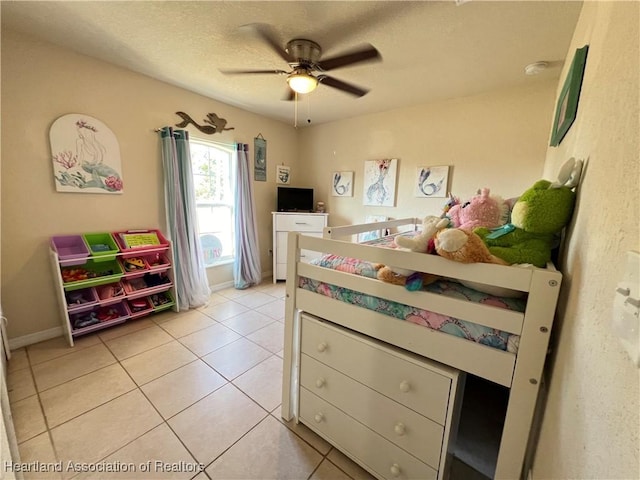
[(416, 383), (305, 255), (410, 431), (300, 223), (373, 451)]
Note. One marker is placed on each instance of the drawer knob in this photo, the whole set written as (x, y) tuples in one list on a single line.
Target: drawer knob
[(395, 470), (405, 386), (322, 347), (320, 382), (318, 417), (399, 429)]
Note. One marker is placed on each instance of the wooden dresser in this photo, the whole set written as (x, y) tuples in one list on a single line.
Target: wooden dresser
[(390, 411)]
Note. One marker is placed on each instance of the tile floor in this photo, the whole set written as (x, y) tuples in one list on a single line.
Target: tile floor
[(189, 395)]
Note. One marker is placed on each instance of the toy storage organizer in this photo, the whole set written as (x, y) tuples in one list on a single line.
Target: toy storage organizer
[(104, 279)]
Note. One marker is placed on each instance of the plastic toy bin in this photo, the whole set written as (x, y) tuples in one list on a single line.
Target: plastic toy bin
[(102, 246), (90, 274), (137, 241), (71, 249)]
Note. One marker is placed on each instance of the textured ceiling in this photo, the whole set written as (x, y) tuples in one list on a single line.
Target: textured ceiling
[(430, 50)]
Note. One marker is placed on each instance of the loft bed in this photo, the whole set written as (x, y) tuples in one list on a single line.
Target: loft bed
[(517, 366)]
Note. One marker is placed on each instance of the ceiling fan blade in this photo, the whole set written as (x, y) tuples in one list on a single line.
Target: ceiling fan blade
[(344, 86), (242, 72), (266, 33), (368, 53)]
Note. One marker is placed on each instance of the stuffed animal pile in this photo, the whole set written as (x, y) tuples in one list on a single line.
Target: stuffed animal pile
[(537, 220), (410, 279)]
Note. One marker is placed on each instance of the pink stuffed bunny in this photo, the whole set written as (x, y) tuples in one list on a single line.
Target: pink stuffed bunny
[(482, 210)]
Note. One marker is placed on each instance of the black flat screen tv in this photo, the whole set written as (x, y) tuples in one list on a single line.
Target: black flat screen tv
[(295, 199)]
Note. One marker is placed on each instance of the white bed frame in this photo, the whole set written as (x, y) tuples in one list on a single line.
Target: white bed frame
[(521, 372)]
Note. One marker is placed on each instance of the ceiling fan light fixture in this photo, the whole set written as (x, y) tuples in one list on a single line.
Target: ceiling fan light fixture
[(302, 82)]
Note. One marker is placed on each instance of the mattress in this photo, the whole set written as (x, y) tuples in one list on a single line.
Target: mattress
[(461, 328)]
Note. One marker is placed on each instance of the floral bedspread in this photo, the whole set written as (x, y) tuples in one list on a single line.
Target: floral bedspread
[(460, 328)]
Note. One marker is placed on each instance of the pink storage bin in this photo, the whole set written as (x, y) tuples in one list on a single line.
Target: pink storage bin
[(139, 306), (157, 261), (110, 293), (71, 249), (137, 241)]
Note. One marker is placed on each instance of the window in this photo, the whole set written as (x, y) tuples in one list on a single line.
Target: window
[(214, 182)]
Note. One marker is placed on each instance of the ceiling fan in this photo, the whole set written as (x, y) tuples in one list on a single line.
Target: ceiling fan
[(308, 68)]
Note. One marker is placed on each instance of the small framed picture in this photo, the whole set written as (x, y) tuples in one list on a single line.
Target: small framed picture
[(342, 184), (283, 174), (431, 182)]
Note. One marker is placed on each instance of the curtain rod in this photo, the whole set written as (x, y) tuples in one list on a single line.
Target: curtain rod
[(232, 144)]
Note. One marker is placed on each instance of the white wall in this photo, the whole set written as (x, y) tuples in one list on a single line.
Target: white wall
[(496, 140), (41, 82), (591, 422)]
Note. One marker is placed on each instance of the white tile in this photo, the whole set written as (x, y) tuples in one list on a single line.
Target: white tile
[(158, 361), (275, 452), (255, 299), (248, 322), (28, 419), (263, 383), (125, 328), (236, 357), (233, 292), (156, 454), (138, 342), (187, 323), (103, 430), (270, 337), (274, 309), (20, 384), (73, 398), (303, 431), (328, 471), (182, 388), (226, 310), (67, 367), (57, 347), (19, 360), (39, 449), (216, 422), (210, 339)]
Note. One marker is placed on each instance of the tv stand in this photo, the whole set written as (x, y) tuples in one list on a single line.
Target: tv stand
[(284, 222)]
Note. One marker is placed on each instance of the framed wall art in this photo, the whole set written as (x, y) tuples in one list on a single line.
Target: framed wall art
[(283, 174), (379, 184), (567, 106), (85, 155), (260, 158), (431, 182), (342, 184)]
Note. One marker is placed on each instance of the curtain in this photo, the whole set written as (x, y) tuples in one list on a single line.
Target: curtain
[(246, 267), (191, 284)]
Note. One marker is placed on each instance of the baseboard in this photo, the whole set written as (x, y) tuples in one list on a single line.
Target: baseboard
[(23, 341)]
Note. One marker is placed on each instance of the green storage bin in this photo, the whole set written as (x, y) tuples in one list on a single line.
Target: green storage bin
[(102, 246), (91, 274)]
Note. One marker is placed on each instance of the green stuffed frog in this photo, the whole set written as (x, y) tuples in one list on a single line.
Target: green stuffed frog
[(537, 220)]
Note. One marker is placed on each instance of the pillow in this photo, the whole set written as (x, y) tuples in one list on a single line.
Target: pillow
[(493, 290)]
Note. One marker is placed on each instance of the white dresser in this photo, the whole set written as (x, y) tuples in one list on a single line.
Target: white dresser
[(285, 222), (390, 411)]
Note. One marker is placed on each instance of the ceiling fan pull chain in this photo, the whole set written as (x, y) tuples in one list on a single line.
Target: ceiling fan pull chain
[(308, 109), (295, 110)]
